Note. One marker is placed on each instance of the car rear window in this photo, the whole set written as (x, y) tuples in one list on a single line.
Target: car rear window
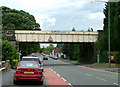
[(29, 59), (28, 65)]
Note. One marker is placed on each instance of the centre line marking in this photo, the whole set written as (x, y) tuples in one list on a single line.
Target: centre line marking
[(101, 79), (115, 84), (88, 74)]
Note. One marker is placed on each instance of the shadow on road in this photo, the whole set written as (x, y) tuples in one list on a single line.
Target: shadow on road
[(60, 64)]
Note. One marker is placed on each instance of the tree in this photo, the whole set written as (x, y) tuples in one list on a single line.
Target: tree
[(18, 19), (102, 44), (73, 29), (8, 52), (49, 49), (0, 49), (15, 19)]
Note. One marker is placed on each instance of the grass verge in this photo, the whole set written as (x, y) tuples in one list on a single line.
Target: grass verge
[(113, 65)]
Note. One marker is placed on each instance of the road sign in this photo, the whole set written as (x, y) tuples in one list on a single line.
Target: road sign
[(50, 39)]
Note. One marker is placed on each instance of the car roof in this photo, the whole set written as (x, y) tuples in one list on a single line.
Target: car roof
[(29, 57), (29, 61)]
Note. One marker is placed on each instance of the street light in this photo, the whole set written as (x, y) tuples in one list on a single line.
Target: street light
[(109, 48)]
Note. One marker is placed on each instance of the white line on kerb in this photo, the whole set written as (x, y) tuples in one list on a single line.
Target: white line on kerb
[(58, 74), (69, 83), (51, 69), (64, 79)]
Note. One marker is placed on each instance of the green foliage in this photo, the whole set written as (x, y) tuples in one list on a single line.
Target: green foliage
[(90, 29), (102, 44), (48, 49), (0, 49), (8, 52), (28, 48), (114, 28), (73, 29), (14, 63), (18, 19), (104, 57), (81, 52), (15, 19)]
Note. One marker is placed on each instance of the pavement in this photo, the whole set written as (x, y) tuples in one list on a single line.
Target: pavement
[(117, 70)]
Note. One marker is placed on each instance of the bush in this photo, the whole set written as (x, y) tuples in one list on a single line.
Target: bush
[(104, 57), (8, 52)]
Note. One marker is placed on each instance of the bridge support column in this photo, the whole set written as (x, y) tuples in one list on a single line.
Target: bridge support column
[(13, 43)]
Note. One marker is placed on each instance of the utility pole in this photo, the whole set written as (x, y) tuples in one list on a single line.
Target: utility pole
[(109, 34)]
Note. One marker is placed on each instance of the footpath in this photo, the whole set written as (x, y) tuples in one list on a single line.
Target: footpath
[(117, 70)]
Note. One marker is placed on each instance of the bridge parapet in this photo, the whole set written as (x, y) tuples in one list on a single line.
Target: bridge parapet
[(53, 32), (55, 36)]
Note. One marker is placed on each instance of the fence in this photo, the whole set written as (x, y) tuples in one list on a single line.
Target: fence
[(5, 65)]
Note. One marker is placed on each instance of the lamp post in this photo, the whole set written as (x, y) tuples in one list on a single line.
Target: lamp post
[(109, 47)]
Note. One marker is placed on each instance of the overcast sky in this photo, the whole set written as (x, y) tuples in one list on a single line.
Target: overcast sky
[(62, 14)]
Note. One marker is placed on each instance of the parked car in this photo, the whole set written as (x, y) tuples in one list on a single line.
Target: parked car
[(45, 57), (51, 56), (28, 70), (31, 58), (55, 57), (0, 64), (41, 59)]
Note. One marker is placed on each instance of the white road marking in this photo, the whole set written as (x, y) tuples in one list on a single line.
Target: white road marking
[(101, 79), (115, 84), (113, 72), (88, 74), (104, 80)]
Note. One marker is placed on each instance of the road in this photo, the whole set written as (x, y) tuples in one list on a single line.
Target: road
[(75, 75)]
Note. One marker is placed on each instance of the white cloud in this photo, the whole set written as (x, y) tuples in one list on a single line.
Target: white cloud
[(66, 14), (40, 18), (51, 21), (96, 16)]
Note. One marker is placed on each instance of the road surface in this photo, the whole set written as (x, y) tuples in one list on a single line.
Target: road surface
[(58, 72)]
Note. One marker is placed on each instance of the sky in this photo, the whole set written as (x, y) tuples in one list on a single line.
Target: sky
[(62, 15)]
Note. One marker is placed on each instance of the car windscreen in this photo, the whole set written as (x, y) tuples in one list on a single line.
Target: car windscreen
[(28, 65), (31, 59)]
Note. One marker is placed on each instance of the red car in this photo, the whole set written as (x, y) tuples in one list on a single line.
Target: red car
[(28, 70)]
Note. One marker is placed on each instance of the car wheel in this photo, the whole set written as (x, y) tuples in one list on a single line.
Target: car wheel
[(15, 82), (41, 82)]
